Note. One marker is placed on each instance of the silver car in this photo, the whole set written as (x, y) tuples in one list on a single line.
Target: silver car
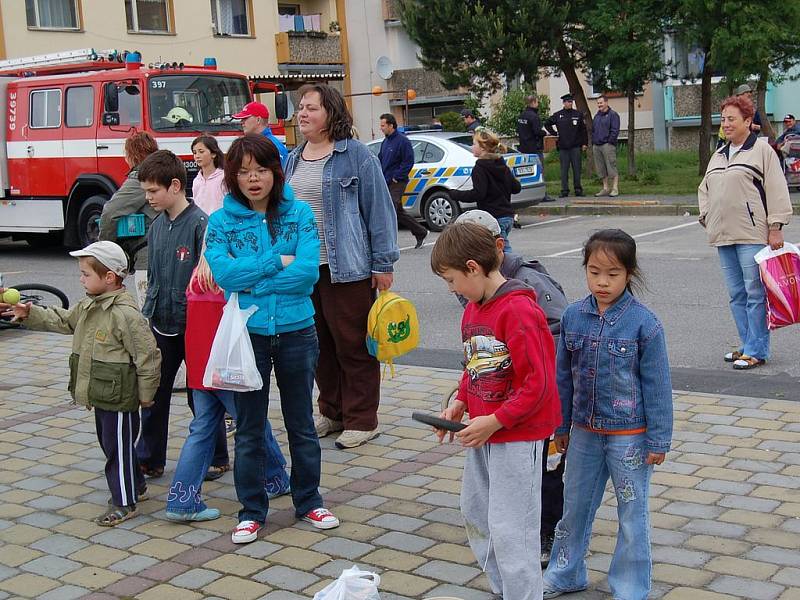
[(443, 161)]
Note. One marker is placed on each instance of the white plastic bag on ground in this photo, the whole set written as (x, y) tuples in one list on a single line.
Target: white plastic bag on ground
[(231, 363), (353, 584)]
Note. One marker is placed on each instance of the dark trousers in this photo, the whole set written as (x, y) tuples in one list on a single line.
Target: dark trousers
[(403, 218), (552, 495), (152, 446), (116, 432), (570, 157), (348, 377)]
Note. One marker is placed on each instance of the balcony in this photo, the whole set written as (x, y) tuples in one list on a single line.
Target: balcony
[(307, 48), (391, 10)]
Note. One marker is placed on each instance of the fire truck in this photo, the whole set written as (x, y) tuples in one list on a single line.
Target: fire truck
[(68, 115)]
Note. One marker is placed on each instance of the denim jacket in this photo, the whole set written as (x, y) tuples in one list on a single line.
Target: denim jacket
[(613, 370), (244, 257), (359, 219)]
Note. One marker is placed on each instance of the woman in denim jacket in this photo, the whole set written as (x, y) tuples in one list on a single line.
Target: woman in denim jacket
[(342, 181), (616, 402)]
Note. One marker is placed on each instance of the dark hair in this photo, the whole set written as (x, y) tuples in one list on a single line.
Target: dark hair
[(743, 103), (339, 125), (618, 244), (161, 167), (139, 146), (460, 242), (390, 120), (603, 96), (210, 142), (264, 152)]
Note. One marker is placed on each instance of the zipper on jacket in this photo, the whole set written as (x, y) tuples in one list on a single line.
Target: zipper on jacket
[(750, 213)]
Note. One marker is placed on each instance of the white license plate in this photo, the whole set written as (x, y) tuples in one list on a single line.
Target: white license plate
[(529, 170)]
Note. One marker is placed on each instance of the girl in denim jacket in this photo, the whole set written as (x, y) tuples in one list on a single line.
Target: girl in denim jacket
[(616, 403)]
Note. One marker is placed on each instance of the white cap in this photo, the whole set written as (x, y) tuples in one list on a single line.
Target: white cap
[(481, 217), (109, 254)]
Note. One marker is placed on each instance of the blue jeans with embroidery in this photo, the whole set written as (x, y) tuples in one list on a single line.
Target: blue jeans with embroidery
[(748, 299), (198, 450), (591, 459)]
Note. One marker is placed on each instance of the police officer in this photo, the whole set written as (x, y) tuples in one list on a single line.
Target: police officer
[(572, 138), (471, 122), (530, 132)]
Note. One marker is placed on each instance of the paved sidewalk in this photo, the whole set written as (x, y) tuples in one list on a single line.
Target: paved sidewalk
[(725, 507)]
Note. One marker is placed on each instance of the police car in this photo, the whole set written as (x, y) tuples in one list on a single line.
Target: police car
[(443, 161)]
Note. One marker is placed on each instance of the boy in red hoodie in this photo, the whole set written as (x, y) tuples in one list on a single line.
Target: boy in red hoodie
[(509, 390)]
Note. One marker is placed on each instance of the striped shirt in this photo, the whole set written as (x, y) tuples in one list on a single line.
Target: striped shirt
[(306, 182)]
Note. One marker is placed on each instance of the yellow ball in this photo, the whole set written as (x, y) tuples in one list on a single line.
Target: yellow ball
[(11, 296)]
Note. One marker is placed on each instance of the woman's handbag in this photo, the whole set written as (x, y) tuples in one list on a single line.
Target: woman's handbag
[(780, 274), (232, 364)]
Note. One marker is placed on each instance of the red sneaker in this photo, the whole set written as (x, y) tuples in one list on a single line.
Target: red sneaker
[(321, 518), (245, 532)]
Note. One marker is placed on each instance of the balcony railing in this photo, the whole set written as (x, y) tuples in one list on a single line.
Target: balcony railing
[(391, 10), (308, 47)]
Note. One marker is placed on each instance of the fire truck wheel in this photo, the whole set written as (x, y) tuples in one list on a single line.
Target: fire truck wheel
[(45, 240), (89, 219)]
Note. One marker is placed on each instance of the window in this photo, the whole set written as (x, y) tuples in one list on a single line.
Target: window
[(195, 102), (130, 105), (149, 16), (432, 153), (45, 109), (288, 9), (230, 17), (52, 14), (80, 106), (419, 148)]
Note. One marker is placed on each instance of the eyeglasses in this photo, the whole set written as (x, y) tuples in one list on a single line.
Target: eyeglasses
[(258, 173)]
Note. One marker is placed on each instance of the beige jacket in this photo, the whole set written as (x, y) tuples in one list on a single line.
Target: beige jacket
[(115, 363), (741, 195)]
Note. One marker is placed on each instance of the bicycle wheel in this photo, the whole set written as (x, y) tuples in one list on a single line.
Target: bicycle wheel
[(42, 295)]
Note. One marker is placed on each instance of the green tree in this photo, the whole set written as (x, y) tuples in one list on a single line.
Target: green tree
[(505, 115), (451, 121)]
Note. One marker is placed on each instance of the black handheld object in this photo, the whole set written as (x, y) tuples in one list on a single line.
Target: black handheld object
[(437, 422)]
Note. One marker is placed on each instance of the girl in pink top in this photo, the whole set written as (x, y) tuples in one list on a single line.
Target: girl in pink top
[(208, 188)]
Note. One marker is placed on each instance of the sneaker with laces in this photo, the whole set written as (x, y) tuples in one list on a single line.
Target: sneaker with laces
[(352, 438), (230, 426), (326, 426), (321, 518), (245, 532)]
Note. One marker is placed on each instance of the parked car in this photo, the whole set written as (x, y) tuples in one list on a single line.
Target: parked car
[(443, 161)]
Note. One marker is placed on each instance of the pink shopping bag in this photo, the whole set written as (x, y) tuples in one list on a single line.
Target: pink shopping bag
[(780, 274)]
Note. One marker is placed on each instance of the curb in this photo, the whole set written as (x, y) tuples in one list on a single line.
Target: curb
[(620, 207)]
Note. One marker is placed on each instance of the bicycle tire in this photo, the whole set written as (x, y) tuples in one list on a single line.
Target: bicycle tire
[(41, 287)]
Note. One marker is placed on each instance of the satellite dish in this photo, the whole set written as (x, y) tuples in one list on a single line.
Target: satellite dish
[(384, 67)]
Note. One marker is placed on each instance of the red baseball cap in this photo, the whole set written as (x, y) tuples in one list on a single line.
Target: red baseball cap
[(253, 109)]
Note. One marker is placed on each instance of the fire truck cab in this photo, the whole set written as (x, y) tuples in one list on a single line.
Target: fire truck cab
[(68, 115)]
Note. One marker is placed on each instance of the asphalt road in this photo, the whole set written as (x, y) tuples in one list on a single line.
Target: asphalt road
[(685, 289)]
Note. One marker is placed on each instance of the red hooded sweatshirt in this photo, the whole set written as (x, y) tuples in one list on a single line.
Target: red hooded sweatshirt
[(510, 365)]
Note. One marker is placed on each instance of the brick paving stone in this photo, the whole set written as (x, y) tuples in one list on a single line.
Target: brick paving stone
[(678, 575), (286, 578), (283, 595), (788, 576), (731, 565), (778, 556), (119, 538), (683, 593), (680, 556), (92, 577), (749, 504), (28, 585), (774, 538), (338, 546), (23, 534), (195, 578), (714, 528), (403, 541), (59, 544), (457, 591), (163, 570), (258, 549), (163, 591), (236, 588), (51, 566), (133, 564), (42, 520), (367, 501), (394, 522), (13, 555), (7, 572), (392, 559), (451, 552), (65, 592), (447, 571), (158, 548), (235, 565), (404, 583), (747, 588), (299, 558), (692, 510), (130, 586)]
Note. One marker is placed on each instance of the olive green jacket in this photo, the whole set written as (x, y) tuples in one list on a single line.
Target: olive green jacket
[(115, 364)]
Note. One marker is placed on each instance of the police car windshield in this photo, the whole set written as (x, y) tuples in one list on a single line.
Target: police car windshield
[(195, 102)]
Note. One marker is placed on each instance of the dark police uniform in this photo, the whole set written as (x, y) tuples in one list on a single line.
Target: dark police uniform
[(571, 131), (529, 130)]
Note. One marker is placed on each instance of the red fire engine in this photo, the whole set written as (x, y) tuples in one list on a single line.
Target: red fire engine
[(68, 114)]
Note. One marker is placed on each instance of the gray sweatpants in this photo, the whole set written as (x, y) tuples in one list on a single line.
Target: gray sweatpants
[(501, 497)]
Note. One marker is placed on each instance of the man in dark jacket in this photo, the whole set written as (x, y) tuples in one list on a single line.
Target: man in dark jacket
[(531, 134), (397, 158), (470, 120), (572, 138), (605, 131)]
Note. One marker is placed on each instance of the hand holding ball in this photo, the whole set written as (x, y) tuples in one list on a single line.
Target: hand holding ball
[(11, 296)]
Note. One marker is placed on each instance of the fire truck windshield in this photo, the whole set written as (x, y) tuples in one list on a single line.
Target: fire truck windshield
[(195, 102)]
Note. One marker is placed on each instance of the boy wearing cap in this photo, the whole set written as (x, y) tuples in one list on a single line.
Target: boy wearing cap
[(255, 119), (114, 367)]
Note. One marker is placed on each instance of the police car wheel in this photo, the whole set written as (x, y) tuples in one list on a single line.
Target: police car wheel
[(89, 219), (440, 210)]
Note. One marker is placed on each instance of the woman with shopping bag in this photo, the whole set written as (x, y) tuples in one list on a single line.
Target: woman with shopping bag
[(744, 205), (264, 245)]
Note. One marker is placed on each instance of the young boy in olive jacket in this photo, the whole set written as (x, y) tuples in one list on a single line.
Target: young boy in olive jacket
[(114, 367)]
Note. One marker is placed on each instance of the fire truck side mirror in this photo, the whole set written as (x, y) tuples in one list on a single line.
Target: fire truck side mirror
[(110, 119), (281, 105), (111, 97)]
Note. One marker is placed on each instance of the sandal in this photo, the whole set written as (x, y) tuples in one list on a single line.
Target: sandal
[(151, 472), (215, 473), (732, 356), (116, 515), (745, 362), (140, 497)]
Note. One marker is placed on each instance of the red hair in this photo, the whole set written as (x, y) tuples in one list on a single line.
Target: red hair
[(743, 103)]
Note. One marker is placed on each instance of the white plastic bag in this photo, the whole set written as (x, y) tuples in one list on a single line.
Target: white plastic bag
[(231, 363), (353, 584)]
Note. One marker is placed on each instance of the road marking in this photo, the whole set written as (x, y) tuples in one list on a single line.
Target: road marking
[(638, 235), (523, 227)]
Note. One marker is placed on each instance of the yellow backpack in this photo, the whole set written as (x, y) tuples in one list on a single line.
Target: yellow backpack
[(392, 328)]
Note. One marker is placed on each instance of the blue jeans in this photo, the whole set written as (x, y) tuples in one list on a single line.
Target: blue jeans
[(591, 458), (506, 225), (198, 449), (294, 356), (747, 297)]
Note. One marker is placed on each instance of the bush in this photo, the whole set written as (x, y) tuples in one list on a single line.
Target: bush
[(504, 118), (451, 121)]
